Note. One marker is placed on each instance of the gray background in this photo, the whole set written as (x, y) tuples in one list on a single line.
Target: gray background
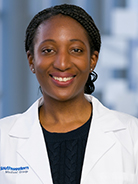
[(117, 84)]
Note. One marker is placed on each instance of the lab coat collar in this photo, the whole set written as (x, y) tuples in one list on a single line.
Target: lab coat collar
[(24, 124), (105, 119), (27, 130), (28, 119), (27, 126), (101, 137)]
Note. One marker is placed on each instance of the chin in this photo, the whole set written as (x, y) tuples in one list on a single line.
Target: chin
[(63, 98)]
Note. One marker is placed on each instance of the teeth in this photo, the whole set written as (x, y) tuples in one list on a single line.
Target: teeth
[(64, 79)]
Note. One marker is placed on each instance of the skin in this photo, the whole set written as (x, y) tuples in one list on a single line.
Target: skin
[(61, 49)]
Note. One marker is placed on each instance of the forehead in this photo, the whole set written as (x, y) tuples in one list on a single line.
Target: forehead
[(64, 24)]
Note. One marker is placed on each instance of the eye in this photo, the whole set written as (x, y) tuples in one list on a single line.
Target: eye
[(76, 50), (48, 51)]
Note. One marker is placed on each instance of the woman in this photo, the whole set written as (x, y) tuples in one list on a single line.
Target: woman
[(67, 136)]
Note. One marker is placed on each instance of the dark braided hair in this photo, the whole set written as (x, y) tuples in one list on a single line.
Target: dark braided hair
[(81, 16)]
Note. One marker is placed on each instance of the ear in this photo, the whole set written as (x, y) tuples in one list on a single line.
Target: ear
[(31, 61), (94, 59)]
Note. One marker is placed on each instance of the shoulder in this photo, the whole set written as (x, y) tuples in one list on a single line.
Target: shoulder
[(7, 122), (23, 118), (125, 118), (114, 118), (130, 122)]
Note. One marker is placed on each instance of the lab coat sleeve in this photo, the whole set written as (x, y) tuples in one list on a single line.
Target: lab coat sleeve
[(134, 133), (0, 155), (0, 150), (136, 157)]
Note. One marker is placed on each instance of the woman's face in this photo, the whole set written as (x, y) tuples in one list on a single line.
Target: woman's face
[(62, 60)]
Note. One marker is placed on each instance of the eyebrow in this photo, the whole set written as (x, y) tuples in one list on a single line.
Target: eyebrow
[(77, 40), (72, 40), (48, 40)]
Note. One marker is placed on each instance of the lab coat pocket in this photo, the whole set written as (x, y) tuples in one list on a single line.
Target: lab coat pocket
[(118, 178)]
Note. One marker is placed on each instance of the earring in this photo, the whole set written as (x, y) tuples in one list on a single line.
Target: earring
[(33, 70), (93, 76), (91, 69)]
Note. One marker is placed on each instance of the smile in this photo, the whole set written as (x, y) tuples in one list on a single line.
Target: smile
[(64, 79)]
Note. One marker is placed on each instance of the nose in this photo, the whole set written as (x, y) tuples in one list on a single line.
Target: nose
[(62, 61)]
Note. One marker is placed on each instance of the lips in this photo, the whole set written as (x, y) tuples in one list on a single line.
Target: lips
[(62, 79)]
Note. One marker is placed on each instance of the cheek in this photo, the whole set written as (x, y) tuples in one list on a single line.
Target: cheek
[(38, 60), (40, 70), (84, 64), (40, 63)]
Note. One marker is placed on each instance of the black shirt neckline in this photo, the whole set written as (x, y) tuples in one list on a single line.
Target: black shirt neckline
[(74, 134)]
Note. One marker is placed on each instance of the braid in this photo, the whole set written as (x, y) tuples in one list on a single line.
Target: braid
[(72, 11)]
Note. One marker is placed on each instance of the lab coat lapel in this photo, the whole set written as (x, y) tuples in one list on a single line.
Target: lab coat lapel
[(32, 145), (97, 145), (34, 153), (99, 140)]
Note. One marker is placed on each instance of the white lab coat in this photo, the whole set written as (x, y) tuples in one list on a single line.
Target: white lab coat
[(111, 155)]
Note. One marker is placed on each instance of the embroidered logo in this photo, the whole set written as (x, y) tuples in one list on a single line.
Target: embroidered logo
[(14, 170)]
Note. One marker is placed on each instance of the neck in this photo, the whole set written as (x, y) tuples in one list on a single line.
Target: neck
[(64, 116)]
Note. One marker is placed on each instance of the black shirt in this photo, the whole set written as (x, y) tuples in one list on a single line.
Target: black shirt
[(66, 153)]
